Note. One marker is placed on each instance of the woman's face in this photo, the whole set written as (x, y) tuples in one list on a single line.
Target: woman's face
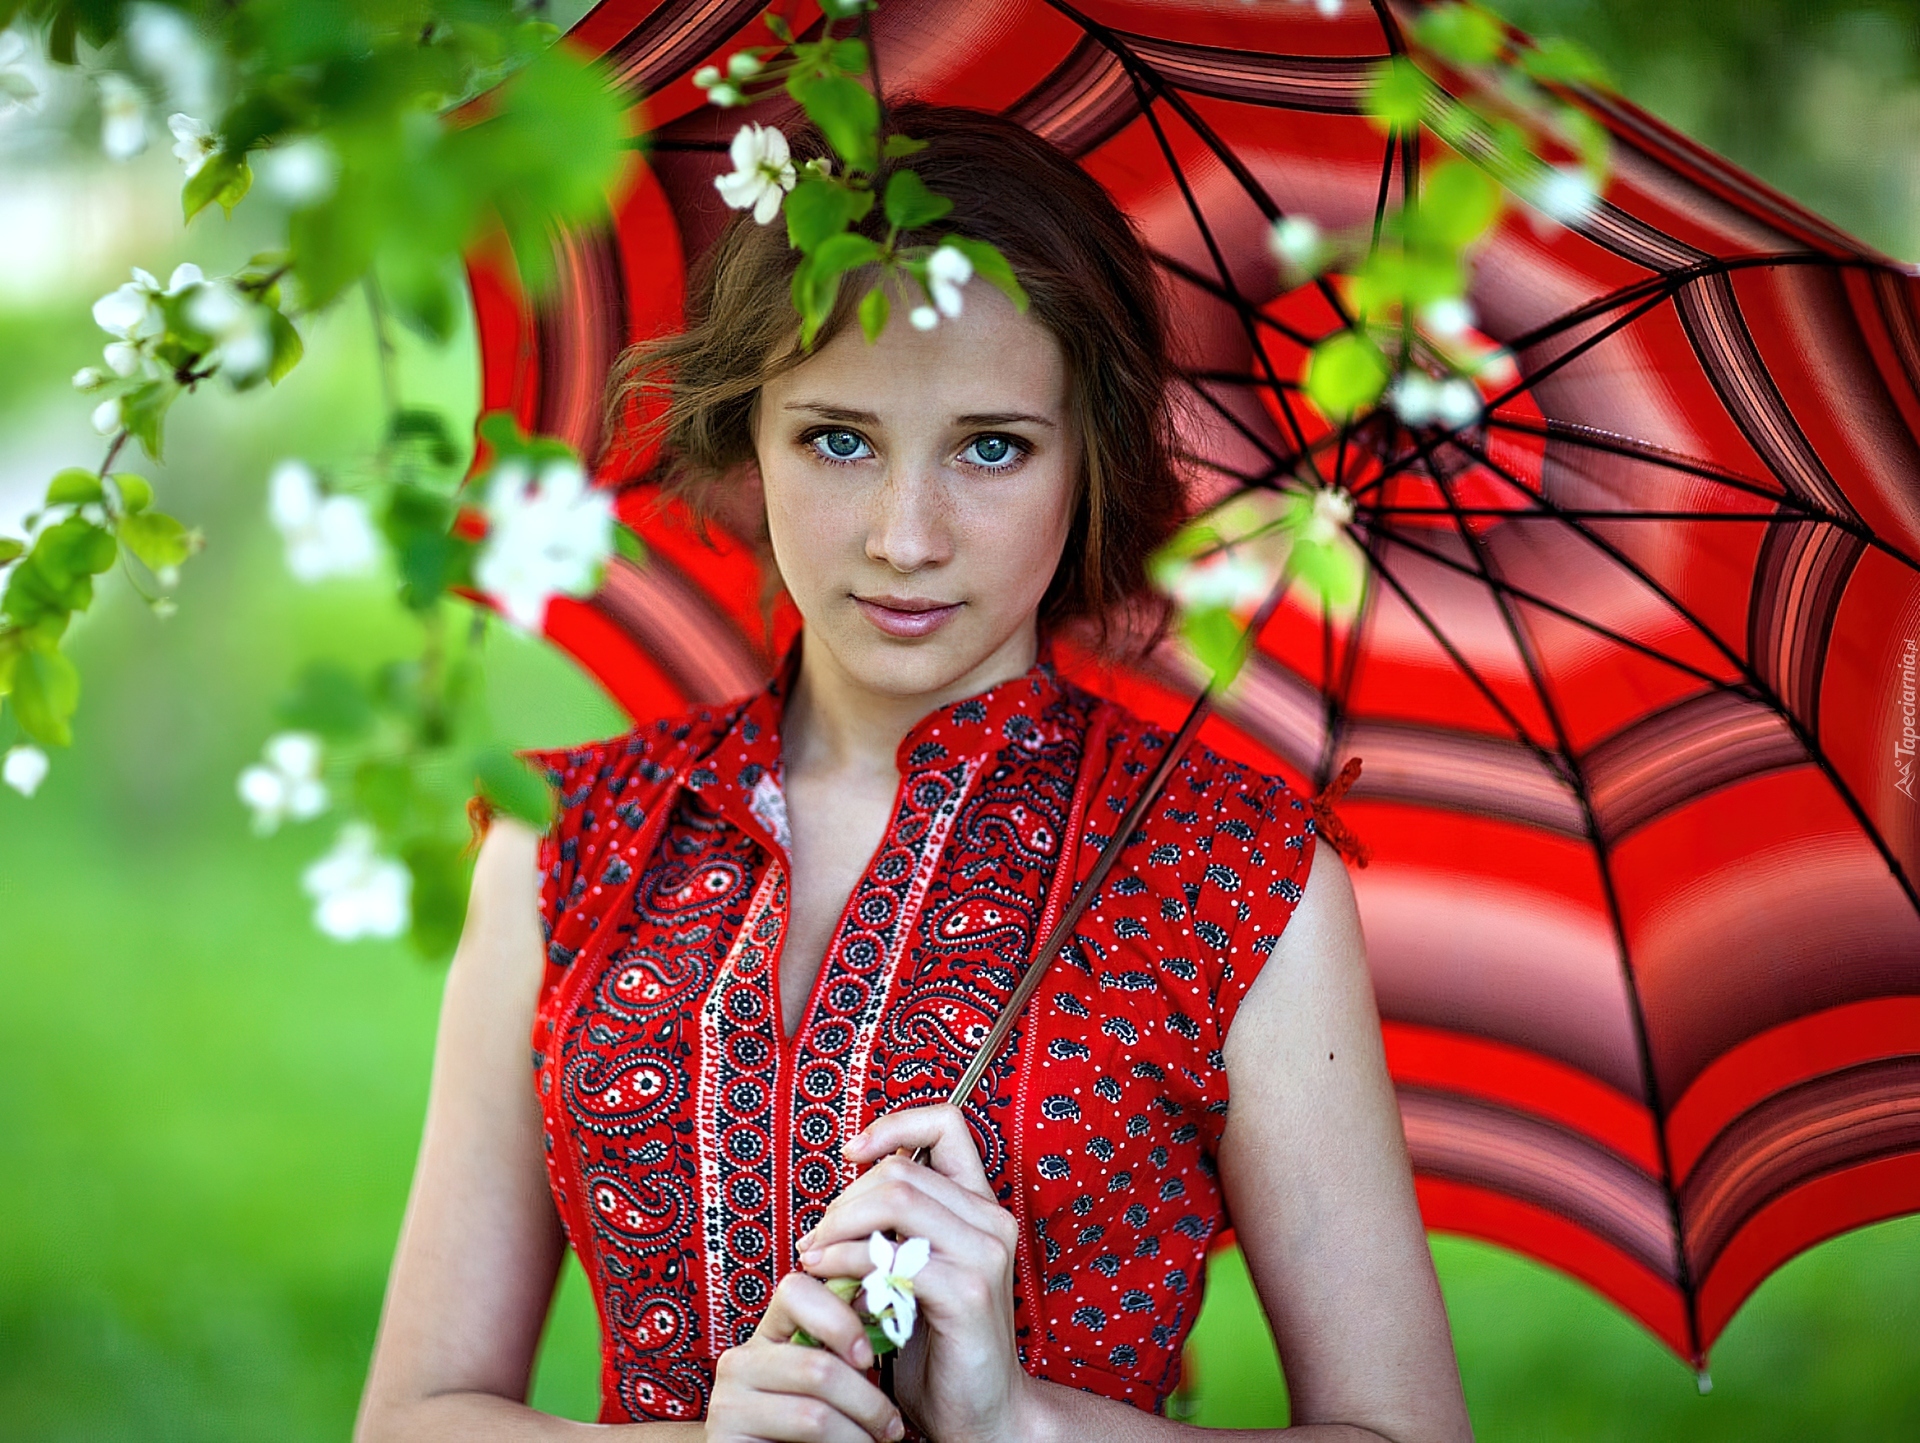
[(919, 492)]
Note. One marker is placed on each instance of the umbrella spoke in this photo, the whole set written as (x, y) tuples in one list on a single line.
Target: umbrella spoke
[(1532, 598), (1603, 863)]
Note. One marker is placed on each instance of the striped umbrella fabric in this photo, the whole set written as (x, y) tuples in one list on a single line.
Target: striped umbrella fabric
[(1634, 673)]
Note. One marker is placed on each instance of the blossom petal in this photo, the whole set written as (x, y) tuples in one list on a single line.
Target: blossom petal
[(911, 1256)]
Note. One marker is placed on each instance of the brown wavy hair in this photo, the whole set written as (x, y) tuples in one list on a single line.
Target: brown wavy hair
[(1090, 282)]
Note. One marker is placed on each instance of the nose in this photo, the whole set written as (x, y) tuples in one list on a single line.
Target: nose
[(909, 528)]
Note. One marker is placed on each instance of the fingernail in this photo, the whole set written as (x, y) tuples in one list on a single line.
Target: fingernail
[(862, 1353), (805, 1238), (812, 1256), (896, 1429)]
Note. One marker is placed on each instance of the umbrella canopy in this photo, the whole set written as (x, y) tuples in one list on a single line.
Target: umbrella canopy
[(1634, 671)]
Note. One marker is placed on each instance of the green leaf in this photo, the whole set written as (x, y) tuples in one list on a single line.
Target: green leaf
[(626, 544), (819, 207), (156, 538), (143, 411), (847, 114), (329, 699), (514, 787), (990, 266), (439, 900), (224, 178), (874, 307), (136, 493), (421, 429), (501, 432), (383, 792), (74, 486), (1464, 34), (1216, 640), (46, 692), (1335, 569), (849, 56), (910, 205), (816, 280), (1562, 62), (1458, 201), (898, 147), (1344, 373), (1397, 95), (76, 547), (11, 550), (418, 526), (288, 348)]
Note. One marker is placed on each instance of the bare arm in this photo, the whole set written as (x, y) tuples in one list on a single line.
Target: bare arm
[(480, 1246)]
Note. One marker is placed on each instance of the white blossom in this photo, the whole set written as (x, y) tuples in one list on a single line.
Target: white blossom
[(1457, 403), (106, 416), (24, 769), (123, 116), (725, 95), (165, 46), (89, 378), (325, 535), (1566, 193), (923, 318), (762, 173), (358, 892), (301, 172), (193, 142), (1296, 242), (743, 65), (948, 269), (707, 76), (134, 316), (1448, 318), (1332, 510), (287, 785), (1415, 398), (547, 536), (242, 342), (1224, 580), (889, 1287), (19, 87)]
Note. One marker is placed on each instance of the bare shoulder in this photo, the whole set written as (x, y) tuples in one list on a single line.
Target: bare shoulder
[(500, 944)]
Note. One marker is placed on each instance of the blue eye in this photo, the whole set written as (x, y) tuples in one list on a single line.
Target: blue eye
[(839, 445), (994, 453)]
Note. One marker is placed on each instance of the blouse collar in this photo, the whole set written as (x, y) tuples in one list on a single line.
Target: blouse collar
[(744, 773)]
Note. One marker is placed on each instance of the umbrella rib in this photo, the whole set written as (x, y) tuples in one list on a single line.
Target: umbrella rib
[(1620, 446), (1229, 296), (1134, 66), (1572, 513), (1213, 246), (1576, 775), (1809, 742), (1377, 563), (1281, 462), (1674, 279), (1565, 614)]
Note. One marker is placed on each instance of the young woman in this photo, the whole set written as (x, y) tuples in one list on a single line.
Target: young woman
[(760, 943)]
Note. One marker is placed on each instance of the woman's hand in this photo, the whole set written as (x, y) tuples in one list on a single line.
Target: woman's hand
[(775, 1389), (959, 1376)]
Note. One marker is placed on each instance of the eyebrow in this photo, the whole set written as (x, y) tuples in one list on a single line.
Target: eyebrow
[(856, 417)]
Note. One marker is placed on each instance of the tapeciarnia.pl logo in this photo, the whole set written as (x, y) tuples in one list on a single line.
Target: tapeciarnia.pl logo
[(1903, 749)]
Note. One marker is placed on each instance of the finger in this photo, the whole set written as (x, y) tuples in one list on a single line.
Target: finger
[(901, 1209), (802, 1303), (806, 1393), (982, 1213), (941, 1130)]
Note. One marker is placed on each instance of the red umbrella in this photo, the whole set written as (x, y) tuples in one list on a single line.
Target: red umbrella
[(1634, 672)]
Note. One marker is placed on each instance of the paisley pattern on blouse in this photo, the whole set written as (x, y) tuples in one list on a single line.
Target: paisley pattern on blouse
[(690, 1141)]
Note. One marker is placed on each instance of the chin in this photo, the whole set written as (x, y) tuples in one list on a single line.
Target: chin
[(936, 666)]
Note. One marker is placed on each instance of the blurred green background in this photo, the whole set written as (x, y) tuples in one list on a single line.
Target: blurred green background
[(208, 1112)]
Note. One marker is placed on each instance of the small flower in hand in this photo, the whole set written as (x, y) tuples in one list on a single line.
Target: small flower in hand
[(889, 1287)]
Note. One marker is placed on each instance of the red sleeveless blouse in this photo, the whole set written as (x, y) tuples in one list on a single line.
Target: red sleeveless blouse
[(689, 1141)]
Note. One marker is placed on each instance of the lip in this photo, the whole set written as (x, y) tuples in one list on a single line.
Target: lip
[(906, 616)]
